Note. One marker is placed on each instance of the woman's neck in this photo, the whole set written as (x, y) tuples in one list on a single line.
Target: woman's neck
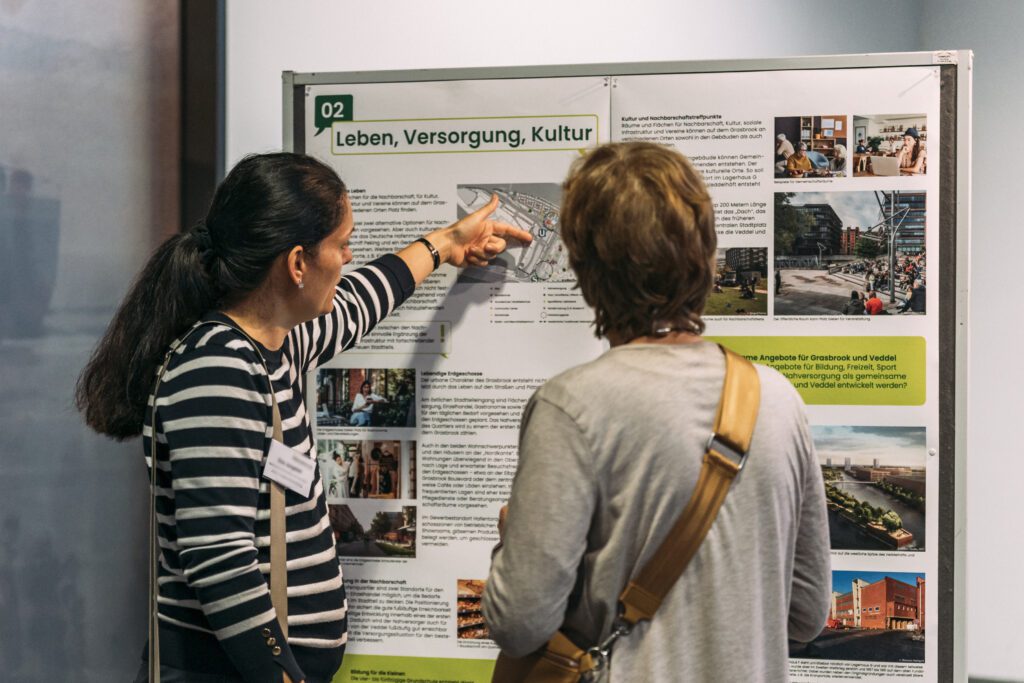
[(256, 316), (674, 337)]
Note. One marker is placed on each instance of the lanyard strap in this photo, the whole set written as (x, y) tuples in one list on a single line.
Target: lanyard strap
[(278, 545)]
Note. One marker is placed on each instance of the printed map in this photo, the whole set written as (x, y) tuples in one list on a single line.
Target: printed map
[(534, 208)]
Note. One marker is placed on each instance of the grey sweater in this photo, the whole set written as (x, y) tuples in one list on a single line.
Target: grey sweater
[(609, 454)]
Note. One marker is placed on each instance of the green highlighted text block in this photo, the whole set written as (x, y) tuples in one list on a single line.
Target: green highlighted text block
[(385, 669), (856, 371)]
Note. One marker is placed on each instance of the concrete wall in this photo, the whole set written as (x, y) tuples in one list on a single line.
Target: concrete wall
[(89, 108), (995, 470)]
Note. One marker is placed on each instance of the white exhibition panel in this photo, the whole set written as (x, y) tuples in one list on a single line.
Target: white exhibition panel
[(417, 154)]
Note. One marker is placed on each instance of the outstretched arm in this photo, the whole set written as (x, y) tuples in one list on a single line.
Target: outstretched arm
[(369, 294), (473, 240)]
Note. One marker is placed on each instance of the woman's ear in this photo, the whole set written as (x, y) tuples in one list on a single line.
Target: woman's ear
[(296, 260)]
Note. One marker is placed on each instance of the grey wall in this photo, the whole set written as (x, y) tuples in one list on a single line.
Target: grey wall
[(322, 35), (88, 108), (995, 469)]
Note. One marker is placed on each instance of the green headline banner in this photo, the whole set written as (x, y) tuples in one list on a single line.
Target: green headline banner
[(385, 669), (843, 370), (459, 135)]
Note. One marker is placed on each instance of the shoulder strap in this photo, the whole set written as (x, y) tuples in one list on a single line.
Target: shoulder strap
[(278, 545), (726, 452), (724, 457)]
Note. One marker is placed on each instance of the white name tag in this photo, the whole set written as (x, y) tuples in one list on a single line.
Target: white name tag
[(289, 468)]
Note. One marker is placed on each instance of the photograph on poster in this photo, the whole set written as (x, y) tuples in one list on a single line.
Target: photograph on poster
[(890, 145), (366, 397), (874, 617), (372, 529), (850, 253), (874, 485), (534, 207), (366, 469), (469, 618), (810, 146), (741, 283)]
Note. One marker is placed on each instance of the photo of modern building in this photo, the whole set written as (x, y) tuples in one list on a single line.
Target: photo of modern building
[(906, 212), (832, 248)]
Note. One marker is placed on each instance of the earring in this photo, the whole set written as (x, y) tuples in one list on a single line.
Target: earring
[(301, 285)]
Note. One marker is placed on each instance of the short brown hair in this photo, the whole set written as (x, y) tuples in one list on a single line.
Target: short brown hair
[(639, 227)]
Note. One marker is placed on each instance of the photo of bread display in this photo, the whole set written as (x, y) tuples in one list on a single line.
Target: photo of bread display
[(469, 619)]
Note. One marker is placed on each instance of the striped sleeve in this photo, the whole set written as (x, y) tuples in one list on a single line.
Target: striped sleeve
[(362, 299), (215, 413)]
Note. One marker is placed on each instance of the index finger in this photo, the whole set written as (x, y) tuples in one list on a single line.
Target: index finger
[(507, 230)]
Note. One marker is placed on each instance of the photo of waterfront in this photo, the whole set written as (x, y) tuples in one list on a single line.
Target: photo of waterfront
[(875, 485)]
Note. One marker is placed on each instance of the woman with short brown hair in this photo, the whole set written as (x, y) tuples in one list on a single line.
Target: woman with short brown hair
[(631, 215), (610, 452)]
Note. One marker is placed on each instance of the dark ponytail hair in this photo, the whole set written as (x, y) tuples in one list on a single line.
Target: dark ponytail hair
[(268, 204)]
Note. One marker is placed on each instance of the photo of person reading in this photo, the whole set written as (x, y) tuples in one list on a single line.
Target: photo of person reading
[(811, 146), (366, 397), (891, 145), (798, 164), (362, 405)]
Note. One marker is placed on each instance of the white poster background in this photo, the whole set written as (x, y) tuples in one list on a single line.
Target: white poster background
[(477, 339)]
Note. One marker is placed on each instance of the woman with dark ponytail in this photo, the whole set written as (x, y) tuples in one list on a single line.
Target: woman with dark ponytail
[(252, 291)]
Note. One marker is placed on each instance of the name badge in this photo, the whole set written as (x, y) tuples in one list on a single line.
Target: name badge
[(289, 468)]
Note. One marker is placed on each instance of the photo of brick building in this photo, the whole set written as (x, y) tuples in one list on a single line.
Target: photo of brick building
[(888, 604)]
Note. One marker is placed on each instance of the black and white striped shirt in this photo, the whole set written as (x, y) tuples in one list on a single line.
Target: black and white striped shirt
[(213, 428)]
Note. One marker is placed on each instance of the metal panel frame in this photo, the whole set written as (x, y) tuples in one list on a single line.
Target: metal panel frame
[(964, 128), (954, 239), (201, 35)]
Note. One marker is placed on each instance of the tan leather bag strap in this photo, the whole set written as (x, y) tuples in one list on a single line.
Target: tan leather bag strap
[(154, 535), (278, 543), (724, 457), (560, 660)]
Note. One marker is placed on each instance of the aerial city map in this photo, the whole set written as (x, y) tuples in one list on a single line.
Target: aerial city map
[(533, 207)]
